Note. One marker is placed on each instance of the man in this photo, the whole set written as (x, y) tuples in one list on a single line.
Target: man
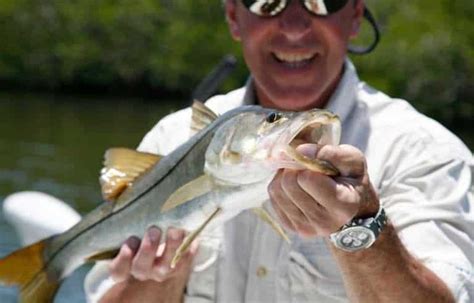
[(419, 176)]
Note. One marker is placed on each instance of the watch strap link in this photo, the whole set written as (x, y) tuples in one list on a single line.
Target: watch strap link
[(375, 224)]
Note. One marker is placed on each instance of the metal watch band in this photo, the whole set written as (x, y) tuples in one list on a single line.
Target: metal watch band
[(375, 224)]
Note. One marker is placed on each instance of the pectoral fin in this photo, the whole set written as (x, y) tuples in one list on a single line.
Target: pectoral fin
[(190, 238), (265, 216), (316, 165), (121, 167), (189, 191), (201, 117)]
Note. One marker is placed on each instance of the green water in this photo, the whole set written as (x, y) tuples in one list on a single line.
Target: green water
[(55, 145)]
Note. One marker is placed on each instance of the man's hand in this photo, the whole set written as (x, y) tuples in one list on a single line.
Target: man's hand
[(313, 204), (144, 275)]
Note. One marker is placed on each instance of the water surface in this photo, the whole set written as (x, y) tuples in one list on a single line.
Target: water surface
[(55, 144)]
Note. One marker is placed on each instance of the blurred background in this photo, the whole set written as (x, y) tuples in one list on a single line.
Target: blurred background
[(77, 77)]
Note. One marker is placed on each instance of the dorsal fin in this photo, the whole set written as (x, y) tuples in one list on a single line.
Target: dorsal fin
[(201, 117), (121, 167)]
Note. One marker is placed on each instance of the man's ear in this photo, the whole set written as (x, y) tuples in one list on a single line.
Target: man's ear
[(231, 17), (359, 6)]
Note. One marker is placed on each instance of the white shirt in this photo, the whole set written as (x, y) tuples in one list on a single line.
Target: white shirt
[(423, 177)]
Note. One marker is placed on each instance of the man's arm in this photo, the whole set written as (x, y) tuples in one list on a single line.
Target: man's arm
[(313, 204), (386, 272), (142, 276)]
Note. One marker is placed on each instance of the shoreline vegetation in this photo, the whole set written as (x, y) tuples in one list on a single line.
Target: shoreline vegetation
[(158, 49)]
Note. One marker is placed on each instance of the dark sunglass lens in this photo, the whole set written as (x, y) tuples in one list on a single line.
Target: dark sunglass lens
[(324, 7), (265, 8)]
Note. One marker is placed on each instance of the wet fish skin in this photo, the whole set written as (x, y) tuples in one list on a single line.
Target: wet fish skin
[(236, 156)]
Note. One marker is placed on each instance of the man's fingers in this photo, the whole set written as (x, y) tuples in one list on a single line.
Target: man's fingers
[(278, 199), (143, 260), (347, 159), (121, 264), (341, 199), (161, 268)]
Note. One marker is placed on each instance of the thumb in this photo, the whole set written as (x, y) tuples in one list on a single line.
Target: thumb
[(308, 150)]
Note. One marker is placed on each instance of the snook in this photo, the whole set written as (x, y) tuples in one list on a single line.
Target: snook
[(222, 170)]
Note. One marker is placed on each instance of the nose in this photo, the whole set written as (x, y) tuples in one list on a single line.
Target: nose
[(294, 21)]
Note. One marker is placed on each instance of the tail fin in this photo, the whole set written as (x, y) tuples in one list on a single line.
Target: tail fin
[(26, 268)]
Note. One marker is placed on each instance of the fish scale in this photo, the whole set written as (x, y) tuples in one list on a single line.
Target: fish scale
[(222, 170)]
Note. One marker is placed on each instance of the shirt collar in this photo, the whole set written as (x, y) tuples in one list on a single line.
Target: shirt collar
[(342, 100)]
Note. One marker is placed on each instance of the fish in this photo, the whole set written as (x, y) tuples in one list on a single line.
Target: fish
[(222, 170)]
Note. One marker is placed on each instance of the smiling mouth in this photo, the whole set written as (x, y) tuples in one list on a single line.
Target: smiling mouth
[(294, 60)]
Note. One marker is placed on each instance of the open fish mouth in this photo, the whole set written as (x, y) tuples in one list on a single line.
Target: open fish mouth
[(310, 133), (317, 131)]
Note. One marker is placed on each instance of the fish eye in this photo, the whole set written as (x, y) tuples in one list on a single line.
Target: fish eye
[(273, 117)]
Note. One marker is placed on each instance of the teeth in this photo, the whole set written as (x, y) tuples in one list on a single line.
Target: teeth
[(293, 58)]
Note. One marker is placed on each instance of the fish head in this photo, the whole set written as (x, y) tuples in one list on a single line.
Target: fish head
[(251, 146)]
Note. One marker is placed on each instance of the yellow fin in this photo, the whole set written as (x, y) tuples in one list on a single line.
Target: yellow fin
[(121, 167), (103, 255), (25, 267), (188, 191), (316, 165), (201, 117), (265, 216), (190, 238)]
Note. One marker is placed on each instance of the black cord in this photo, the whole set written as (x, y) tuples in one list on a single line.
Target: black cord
[(360, 50)]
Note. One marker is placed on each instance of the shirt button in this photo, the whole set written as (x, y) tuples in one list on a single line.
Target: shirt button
[(261, 272)]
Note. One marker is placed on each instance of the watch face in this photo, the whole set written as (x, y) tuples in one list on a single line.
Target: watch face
[(354, 238)]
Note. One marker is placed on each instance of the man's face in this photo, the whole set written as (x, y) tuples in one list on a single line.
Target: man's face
[(296, 58)]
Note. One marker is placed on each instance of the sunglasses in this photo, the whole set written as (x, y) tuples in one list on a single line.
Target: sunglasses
[(270, 8)]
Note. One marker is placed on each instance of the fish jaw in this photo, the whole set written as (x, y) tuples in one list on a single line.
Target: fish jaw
[(318, 127)]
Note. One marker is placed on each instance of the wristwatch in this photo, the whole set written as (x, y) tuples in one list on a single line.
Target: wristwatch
[(359, 233)]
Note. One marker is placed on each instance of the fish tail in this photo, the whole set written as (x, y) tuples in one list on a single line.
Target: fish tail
[(26, 268)]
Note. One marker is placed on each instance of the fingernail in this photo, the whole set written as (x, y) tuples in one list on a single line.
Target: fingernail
[(133, 243), (154, 234), (174, 234)]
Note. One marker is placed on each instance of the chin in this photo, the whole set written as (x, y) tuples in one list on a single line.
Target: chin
[(295, 100)]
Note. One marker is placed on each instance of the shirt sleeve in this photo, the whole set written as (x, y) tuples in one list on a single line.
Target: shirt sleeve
[(430, 203), (169, 133)]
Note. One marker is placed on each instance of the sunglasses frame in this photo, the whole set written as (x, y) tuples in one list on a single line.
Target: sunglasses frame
[(303, 3)]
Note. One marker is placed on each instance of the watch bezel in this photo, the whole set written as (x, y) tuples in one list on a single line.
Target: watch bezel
[(371, 227), (338, 238)]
